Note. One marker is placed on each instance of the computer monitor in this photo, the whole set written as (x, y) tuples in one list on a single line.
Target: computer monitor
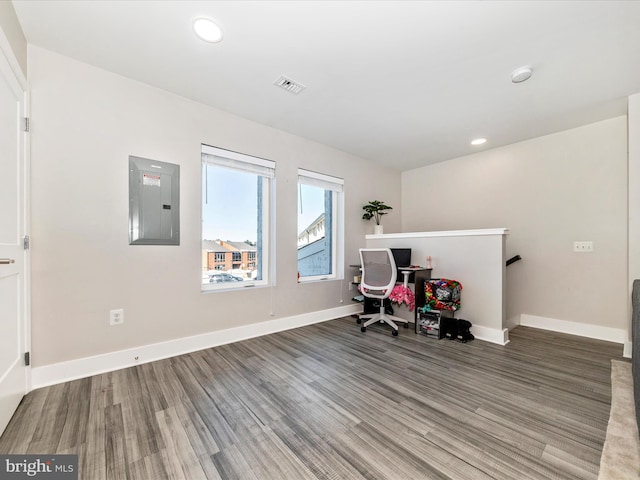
[(402, 256)]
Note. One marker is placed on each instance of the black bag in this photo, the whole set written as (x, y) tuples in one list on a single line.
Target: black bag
[(456, 329), (464, 331), (449, 327)]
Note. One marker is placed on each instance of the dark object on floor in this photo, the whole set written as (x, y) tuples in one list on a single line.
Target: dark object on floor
[(464, 331), (457, 329), (449, 327)]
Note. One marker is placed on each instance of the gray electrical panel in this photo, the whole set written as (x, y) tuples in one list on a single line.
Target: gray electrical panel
[(154, 202)]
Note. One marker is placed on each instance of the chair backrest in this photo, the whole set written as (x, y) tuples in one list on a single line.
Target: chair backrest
[(379, 272)]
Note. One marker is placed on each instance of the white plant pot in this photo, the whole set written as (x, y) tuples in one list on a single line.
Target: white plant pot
[(378, 230)]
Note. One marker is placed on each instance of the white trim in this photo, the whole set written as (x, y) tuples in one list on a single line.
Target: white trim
[(7, 52), (328, 182), (318, 278), (303, 172), (85, 367), (26, 194), (626, 351), (616, 335), (18, 373), (445, 233), (491, 335), (221, 155), (232, 286)]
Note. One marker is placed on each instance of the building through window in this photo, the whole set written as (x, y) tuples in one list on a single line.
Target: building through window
[(320, 212), (237, 192)]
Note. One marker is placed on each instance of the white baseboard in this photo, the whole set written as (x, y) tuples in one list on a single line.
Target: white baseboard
[(88, 366), (108, 362), (616, 335), (512, 322), (626, 352), (492, 335)]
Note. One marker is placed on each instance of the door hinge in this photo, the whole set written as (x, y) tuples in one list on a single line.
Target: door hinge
[(27, 359), (27, 242), (26, 124)]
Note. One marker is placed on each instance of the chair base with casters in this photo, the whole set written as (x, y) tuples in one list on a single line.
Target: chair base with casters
[(372, 318), (381, 317)]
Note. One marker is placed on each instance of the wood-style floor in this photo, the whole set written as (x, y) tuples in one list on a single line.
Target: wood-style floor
[(329, 402)]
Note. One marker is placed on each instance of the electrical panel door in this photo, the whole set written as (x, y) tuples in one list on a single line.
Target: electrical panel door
[(154, 202)]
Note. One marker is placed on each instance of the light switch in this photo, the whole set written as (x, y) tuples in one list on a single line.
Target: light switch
[(583, 247)]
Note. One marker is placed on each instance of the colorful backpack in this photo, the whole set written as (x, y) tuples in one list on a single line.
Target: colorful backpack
[(442, 294)]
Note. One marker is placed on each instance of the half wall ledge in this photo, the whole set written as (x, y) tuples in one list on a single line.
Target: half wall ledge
[(443, 233), (475, 258)]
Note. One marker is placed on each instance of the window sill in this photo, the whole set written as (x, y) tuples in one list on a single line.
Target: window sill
[(232, 288), (317, 279)]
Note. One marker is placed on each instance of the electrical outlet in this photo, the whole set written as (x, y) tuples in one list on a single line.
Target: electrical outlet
[(116, 317), (583, 247)]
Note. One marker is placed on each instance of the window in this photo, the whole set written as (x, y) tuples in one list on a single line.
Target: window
[(251, 259), (237, 199), (320, 237)]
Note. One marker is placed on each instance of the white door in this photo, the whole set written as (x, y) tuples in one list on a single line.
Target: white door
[(13, 256)]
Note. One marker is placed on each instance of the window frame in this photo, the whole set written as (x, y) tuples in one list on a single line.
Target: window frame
[(265, 254), (336, 186)]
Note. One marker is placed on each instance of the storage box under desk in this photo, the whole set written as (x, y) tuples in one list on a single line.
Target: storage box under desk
[(433, 323)]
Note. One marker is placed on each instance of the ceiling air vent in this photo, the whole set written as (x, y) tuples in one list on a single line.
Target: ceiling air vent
[(289, 85)]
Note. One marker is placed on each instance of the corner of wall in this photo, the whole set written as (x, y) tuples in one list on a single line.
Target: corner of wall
[(12, 40)]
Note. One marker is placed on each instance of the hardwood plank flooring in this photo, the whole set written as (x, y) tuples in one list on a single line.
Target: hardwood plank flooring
[(327, 401)]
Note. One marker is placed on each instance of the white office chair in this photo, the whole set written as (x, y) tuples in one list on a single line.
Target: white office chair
[(379, 276)]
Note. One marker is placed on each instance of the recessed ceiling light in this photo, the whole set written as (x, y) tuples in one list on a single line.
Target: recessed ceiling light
[(207, 30), (478, 141), (521, 74)]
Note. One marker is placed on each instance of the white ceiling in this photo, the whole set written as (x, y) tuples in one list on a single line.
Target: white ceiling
[(402, 83)]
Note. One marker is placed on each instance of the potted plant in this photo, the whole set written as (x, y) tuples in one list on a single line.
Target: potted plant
[(375, 210)]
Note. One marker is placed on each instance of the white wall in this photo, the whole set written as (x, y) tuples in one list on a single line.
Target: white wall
[(85, 124), (11, 33), (549, 192), (634, 195)]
